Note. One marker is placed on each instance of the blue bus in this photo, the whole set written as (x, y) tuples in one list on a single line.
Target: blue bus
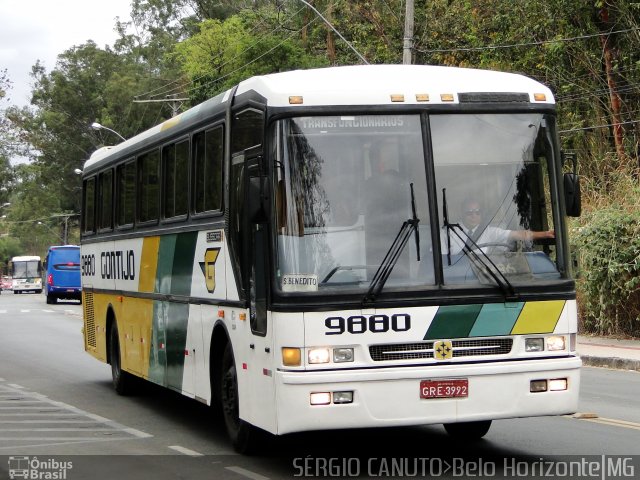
[(63, 273)]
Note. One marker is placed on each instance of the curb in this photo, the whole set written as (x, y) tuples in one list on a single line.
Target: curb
[(610, 362)]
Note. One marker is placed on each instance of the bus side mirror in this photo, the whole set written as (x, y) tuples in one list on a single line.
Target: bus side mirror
[(572, 198)]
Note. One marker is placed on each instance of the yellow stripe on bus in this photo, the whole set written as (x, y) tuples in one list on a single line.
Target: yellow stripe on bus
[(538, 317), (149, 264)]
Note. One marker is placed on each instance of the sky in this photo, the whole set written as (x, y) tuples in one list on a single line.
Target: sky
[(32, 30)]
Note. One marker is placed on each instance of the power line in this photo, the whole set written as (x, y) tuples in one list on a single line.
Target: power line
[(594, 127), (184, 84), (526, 44)]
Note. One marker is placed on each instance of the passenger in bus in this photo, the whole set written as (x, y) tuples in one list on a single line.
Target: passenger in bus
[(476, 233)]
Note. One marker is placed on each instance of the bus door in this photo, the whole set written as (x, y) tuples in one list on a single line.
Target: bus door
[(249, 192)]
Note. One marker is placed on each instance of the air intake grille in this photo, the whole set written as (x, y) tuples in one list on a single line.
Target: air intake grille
[(493, 97), (461, 348), (89, 319)]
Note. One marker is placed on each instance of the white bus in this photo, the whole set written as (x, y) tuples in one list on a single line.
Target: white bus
[(26, 273), (286, 251)]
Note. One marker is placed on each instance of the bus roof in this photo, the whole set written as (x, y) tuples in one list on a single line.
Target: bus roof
[(375, 85), (25, 258), (356, 85)]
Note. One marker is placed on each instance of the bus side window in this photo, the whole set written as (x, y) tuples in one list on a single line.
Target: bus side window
[(175, 169), (105, 201), (148, 179), (208, 150), (89, 206), (126, 194)]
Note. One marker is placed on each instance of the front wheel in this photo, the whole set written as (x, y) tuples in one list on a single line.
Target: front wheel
[(243, 435), (468, 430), (123, 382)]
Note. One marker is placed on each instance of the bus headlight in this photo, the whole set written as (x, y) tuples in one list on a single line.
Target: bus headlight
[(341, 355), (555, 343), (534, 344), (319, 355)]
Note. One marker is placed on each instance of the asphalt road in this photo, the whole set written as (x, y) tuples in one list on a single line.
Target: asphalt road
[(57, 403)]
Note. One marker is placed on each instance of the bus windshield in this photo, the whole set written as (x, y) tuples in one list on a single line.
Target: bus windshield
[(343, 192), (26, 269)]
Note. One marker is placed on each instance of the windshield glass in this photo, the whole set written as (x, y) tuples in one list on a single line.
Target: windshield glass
[(342, 195), (343, 192), (494, 170), (25, 269)]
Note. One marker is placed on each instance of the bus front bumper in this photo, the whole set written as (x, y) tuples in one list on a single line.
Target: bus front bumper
[(391, 396)]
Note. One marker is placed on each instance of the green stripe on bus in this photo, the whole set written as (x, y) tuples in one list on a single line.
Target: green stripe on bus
[(185, 247), (158, 351), (177, 319), (496, 319), (164, 275), (453, 321)]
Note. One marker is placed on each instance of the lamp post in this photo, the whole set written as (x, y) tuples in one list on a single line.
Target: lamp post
[(52, 231), (97, 126)]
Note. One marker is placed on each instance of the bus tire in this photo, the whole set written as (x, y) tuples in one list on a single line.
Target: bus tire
[(51, 299), (243, 435), (123, 382), (468, 430)]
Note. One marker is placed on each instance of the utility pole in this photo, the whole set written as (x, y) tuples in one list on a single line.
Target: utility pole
[(408, 34)]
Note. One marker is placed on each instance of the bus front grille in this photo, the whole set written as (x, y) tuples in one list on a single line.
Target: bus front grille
[(461, 348)]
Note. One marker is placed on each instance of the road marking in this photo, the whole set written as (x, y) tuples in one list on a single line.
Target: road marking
[(48, 311), (49, 422), (186, 451), (25, 311), (247, 473), (614, 422)]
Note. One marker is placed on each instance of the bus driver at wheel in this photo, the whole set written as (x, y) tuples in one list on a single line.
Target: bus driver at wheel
[(474, 230)]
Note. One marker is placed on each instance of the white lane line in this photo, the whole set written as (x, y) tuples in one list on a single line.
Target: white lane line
[(48, 311), (134, 432), (15, 385), (247, 473), (185, 451), (25, 311)]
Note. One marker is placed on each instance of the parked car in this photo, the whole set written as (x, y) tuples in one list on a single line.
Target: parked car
[(63, 273)]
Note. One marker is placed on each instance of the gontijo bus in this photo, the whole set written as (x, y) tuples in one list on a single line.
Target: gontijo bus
[(284, 251)]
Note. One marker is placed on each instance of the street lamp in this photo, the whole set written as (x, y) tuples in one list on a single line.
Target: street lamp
[(52, 231), (97, 126)]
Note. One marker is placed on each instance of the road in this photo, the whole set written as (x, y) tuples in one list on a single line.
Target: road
[(56, 402)]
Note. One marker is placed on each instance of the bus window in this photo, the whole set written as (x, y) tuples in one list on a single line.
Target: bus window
[(148, 167), (105, 205), (208, 149), (175, 161), (126, 193), (88, 212)]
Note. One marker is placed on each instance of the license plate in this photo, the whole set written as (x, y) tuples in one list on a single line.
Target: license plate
[(69, 290), (458, 387)]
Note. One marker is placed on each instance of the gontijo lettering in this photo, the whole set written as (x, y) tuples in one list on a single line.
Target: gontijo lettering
[(118, 265)]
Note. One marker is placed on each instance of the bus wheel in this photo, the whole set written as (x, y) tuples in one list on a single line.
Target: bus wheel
[(51, 299), (242, 435), (123, 382), (468, 430)]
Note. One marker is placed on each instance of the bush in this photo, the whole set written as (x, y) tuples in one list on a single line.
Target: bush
[(608, 248)]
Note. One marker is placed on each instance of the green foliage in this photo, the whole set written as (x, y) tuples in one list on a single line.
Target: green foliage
[(608, 247)]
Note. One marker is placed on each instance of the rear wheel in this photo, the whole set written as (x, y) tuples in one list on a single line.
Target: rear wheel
[(123, 382), (51, 299), (468, 430), (243, 435)]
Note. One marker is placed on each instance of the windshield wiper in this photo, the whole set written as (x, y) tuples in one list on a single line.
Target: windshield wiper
[(472, 252), (393, 254)]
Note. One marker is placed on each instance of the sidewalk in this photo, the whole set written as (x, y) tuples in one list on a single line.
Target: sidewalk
[(609, 352)]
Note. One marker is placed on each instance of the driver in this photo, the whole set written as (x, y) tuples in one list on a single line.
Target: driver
[(474, 229)]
